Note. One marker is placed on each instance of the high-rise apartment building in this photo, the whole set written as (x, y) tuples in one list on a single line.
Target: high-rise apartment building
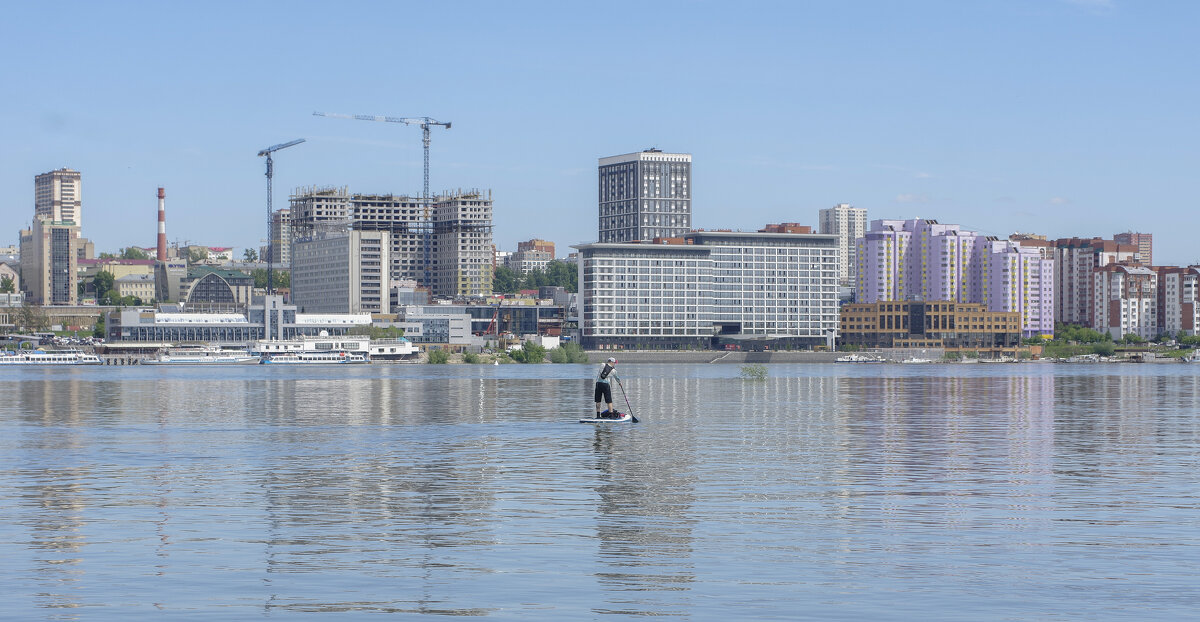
[(1126, 301), (923, 260), (1074, 261), (444, 248), (281, 238), (58, 197), (1179, 300), (645, 195), (536, 245), (1144, 243), (463, 232), (848, 224)]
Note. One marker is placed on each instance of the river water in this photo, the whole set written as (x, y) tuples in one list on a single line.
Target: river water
[(1025, 491)]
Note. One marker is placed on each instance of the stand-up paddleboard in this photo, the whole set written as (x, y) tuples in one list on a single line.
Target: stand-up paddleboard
[(622, 419)]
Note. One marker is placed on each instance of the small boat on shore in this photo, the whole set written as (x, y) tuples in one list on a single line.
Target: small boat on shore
[(50, 357)]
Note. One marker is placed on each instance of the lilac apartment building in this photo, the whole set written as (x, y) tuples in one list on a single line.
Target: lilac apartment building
[(922, 259)]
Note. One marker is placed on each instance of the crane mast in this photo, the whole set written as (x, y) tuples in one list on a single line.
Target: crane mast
[(270, 175)]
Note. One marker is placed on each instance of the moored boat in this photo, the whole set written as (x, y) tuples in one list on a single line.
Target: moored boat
[(301, 358), (201, 356), (50, 357)]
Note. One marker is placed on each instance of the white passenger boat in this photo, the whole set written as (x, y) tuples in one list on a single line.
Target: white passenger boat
[(201, 356), (300, 358), (51, 357)]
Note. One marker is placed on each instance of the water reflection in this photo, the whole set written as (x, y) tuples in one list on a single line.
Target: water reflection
[(468, 491)]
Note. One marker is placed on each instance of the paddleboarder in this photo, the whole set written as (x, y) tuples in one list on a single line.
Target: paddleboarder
[(604, 390)]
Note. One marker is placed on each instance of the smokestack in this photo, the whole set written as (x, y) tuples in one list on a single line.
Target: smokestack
[(162, 225)]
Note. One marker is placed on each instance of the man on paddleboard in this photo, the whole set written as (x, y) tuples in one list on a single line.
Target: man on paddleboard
[(604, 390)]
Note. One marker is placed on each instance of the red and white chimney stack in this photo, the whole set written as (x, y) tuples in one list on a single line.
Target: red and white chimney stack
[(162, 225)]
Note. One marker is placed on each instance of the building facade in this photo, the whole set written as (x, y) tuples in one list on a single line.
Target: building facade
[(1126, 301), (463, 243), (537, 245), (710, 288), (1179, 300), (279, 253), (923, 260), (266, 318), (923, 324), (58, 196), (645, 195), (1144, 243), (848, 223), (526, 261), (439, 248), (341, 272), (1075, 260), (49, 262)]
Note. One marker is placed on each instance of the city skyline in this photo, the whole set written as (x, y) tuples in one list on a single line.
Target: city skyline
[(1060, 117)]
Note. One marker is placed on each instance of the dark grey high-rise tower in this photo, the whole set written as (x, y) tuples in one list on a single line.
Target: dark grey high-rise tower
[(645, 195)]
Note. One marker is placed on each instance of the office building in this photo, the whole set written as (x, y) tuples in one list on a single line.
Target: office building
[(49, 262), (1144, 243), (710, 289), (266, 318), (58, 197), (341, 272), (922, 324), (526, 261), (848, 224), (645, 195)]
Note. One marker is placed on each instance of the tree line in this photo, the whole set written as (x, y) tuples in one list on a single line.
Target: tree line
[(556, 274)]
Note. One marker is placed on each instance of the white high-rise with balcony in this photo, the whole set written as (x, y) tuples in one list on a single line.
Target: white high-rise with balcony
[(848, 223), (645, 195)]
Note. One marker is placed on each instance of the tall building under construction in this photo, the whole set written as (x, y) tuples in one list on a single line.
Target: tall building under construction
[(445, 246)]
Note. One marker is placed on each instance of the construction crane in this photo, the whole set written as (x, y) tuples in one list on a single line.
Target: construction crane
[(271, 174), (425, 123)]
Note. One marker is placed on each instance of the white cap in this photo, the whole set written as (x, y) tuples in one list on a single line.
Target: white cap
[(612, 360)]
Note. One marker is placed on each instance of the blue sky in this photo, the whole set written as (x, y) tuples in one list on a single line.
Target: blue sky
[(1060, 117)]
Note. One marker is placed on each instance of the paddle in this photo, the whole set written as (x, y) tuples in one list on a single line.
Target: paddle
[(627, 406)]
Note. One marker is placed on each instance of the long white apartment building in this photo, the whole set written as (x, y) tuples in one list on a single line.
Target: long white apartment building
[(341, 272), (714, 286), (848, 223)]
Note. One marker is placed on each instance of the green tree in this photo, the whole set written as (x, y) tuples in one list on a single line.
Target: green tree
[(471, 358), (102, 283), (569, 352), (282, 278), (438, 357), (250, 255), (1104, 348), (133, 253), (7, 286), (30, 318), (530, 352), (505, 281), (98, 329)]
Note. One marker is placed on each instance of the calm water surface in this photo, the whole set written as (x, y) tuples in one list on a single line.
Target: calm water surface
[(931, 492)]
